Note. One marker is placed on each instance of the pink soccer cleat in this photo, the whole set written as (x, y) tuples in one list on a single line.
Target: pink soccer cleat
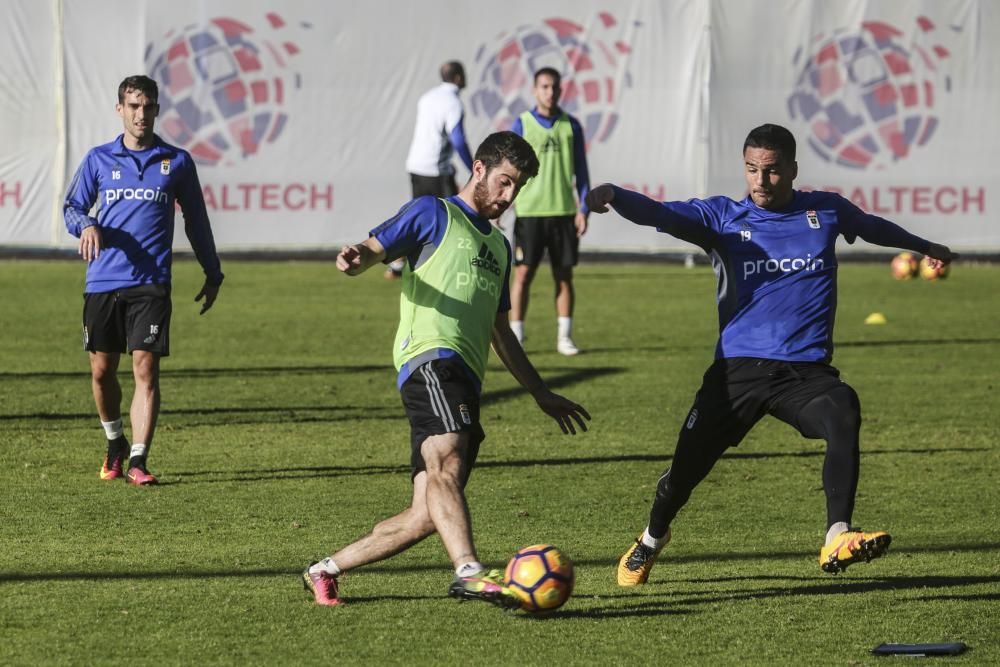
[(322, 585), (139, 477)]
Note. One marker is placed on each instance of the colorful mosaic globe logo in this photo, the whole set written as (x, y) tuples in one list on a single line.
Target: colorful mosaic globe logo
[(223, 87), (588, 60), (869, 96)]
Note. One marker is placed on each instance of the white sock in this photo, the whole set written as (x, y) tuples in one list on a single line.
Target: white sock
[(836, 529), (326, 565), (470, 569), (138, 449), (565, 327), (113, 429), (651, 541), (518, 328)]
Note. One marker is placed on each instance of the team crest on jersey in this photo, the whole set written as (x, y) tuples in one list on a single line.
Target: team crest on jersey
[(165, 167), (813, 219)]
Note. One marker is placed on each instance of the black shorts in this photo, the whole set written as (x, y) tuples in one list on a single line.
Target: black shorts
[(736, 393), (440, 397), (436, 186), (134, 318), (533, 236)]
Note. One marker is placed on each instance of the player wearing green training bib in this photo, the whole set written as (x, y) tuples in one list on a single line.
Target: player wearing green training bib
[(465, 268), (551, 212), (453, 307)]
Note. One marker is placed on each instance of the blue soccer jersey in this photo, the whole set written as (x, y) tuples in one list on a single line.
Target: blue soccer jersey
[(777, 270), (136, 193), (415, 233)]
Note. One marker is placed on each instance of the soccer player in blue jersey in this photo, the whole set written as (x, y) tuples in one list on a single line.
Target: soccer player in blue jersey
[(551, 212), (453, 306), (135, 182), (774, 254)]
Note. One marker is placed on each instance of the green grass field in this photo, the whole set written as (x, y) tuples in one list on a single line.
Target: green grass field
[(282, 438)]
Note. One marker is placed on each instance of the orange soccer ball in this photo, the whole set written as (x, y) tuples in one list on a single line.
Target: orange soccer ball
[(928, 272), (540, 576), (904, 266)]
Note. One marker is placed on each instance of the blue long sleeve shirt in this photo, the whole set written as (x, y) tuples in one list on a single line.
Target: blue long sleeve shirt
[(461, 144), (777, 270), (136, 193)]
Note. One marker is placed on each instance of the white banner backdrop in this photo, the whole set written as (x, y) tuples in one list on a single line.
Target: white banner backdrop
[(893, 104), (300, 114), (31, 115)]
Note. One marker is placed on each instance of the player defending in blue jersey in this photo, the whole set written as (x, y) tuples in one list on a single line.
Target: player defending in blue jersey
[(774, 254), (453, 306), (135, 182)]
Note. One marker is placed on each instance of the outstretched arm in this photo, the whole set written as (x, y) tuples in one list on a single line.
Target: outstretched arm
[(568, 415), (632, 206), (886, 233), (692, 221), (358, 258)]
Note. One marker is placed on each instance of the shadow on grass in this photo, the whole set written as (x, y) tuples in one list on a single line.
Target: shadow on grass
[(918, 341), (651, 600), (679, 349), (826, 584), (296, 413), (313, 472), (655, 601), (248, 371)]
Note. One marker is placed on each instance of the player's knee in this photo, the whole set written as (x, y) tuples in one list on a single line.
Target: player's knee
[(833, 415), (524, 274), (103, 368), (103, 374), (847, 407), (146, 369)]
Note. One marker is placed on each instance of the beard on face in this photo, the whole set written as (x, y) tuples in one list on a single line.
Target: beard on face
[(481, 199)]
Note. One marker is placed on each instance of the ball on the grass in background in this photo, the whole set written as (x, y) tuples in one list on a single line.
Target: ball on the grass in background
[(928, 272), (904, 266), (541, 576)]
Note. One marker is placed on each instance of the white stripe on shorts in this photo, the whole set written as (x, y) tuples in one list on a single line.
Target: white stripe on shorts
[(438, 402)]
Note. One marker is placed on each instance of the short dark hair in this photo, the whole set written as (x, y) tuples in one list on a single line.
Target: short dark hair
[(550, 71), (509, 146), (772, 137), (451, 70), (139, 83)]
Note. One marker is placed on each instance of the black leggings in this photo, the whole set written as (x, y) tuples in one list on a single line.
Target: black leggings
[(834, 416)]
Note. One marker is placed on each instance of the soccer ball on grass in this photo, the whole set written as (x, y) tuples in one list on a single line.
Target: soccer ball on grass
[(904, 266), (541, 576)]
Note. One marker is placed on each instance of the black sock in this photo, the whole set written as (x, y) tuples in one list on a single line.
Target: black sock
[(117, 448)]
